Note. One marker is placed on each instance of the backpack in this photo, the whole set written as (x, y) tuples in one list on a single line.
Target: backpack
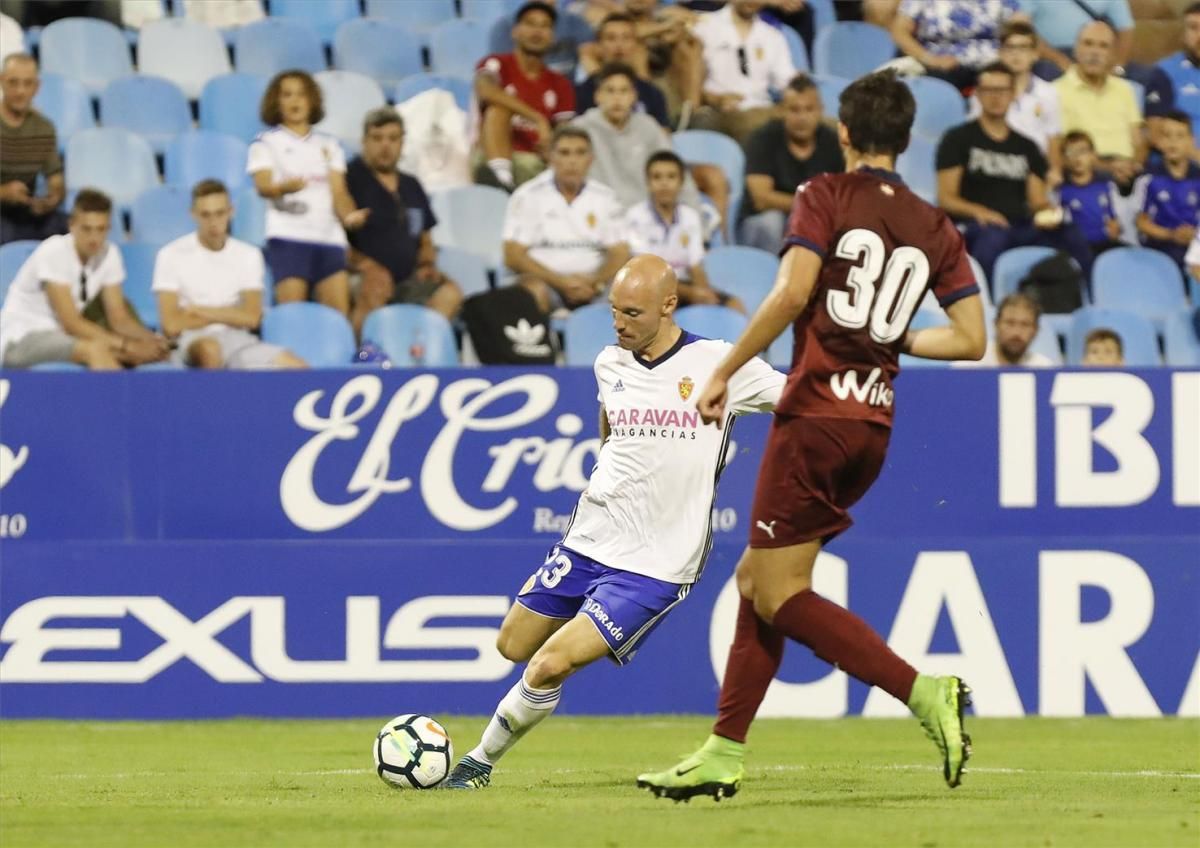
[(507, 328), (1056, 283)]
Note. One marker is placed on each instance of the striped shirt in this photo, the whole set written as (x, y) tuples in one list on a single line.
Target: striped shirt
[(28, 150)]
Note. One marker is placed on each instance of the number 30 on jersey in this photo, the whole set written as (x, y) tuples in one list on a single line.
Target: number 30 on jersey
[(885, 311)]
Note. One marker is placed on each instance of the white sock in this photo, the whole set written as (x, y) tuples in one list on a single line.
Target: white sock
[(502, 168), (516, 714)]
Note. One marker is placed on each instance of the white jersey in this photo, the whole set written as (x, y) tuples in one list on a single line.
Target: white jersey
[(308, 214), (203, 277), (648, 506), (26, 307), (678, 242), (568, 238)]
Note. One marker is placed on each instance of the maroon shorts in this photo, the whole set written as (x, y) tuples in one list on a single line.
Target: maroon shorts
[(813, 471)]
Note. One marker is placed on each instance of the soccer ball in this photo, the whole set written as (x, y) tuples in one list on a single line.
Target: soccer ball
[(413, 752)]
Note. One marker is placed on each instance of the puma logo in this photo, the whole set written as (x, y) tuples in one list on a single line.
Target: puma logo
[(769, 529)]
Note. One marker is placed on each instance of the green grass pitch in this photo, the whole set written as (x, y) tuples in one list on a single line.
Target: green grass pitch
[(1037, 782)]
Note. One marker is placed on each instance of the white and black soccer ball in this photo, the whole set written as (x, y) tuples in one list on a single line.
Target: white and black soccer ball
[(413, 752)]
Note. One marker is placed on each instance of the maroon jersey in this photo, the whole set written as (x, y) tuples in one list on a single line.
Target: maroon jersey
[(882, 247)]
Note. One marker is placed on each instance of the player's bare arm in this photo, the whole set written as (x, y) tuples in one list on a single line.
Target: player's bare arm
[(965, 338)]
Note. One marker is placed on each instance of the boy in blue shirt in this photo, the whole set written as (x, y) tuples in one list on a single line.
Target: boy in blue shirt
[(1088, 196), (1171, 209)]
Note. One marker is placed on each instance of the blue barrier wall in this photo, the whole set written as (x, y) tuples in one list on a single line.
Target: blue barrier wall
[(347, 543)]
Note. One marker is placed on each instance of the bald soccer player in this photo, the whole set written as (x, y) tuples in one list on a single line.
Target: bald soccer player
[(642, 529)]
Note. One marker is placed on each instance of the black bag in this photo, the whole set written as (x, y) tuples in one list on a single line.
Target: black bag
[(1056, 283), (507, 328)]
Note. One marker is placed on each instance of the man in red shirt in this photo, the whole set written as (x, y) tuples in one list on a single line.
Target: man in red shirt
[(859, 254), (520, 101)]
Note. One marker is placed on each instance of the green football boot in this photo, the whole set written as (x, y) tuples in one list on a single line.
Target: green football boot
[(468, 774), (939, 703), (715, 770)]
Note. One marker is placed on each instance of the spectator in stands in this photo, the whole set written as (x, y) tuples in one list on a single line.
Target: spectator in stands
[(1183, 68), (673, 231), (1060, 22), (673, 53), (12, 37), (952, 39), (1089, 196), (42, 318), (1171, 209), (1035, 112), (1017, 319), (223, 14), (992, 178), (521, 100), (28, 149), (303, 173), (745, 58), (780, 156), (393, 250), (1103, 105), (1102, 348), (210, 286), (571, 35), (616, 42), (562, 232)]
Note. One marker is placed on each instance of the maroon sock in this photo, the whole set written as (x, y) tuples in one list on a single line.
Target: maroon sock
[(840, 637), (754, 658)]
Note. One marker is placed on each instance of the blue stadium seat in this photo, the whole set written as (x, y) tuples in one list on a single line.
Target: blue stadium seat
[(412, 336), (348, 98), (152, 107), (851, 48), (12, 257), (203, 155), (417, 83), (705, 146), (57, 366), (161, 214), (1138, 279), (472, 218), (383, 50), (747, 272), (456, 46), (419, 15), (114, 160), (711, 322), (1136, 332), (939, 106), (796, 47), (588, 330), (779, 354), (325, 16), (467, 269), (1011, 267), (319, 335), (164, 365), (139, 277), (230, 104), (917, 167), (484, 11), (187, 53), (249, 216), (68, 105), (272, 45), (1046, 341), (1179, 339), (90, 50), (831, 89)]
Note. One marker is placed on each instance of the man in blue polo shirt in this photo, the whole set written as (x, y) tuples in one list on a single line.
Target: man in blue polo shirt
[(393, 250), (1183, 68)]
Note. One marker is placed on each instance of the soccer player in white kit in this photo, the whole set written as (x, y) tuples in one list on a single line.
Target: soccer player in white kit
[(642, 528)]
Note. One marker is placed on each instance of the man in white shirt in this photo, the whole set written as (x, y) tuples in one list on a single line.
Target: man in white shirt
[(562, 232), (642, 530), (745, 58), (210, 290), (42, 319), (1017, 320)]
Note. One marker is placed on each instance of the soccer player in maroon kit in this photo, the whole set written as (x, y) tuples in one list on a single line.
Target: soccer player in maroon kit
[(860, 252)]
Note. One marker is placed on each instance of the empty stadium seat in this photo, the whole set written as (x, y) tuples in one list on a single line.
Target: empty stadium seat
[(203, 155), (796, 48), (1180, 343), (319, 335), (139, 277), (1136, 332), (90, 50), (114, 160), (456, 46), (1138, 279), (67, 103), (412, 335), (152, 107), (484, 11), (851, 48), (12, 257), (249, 216), (939, 106), (705, 146), (383, 50), (465, 268), (917, 167), (417, 83), (779, 354), (831, 89), (161, 214), (421, 15), (711, 321), (588, 330), (57, 366), (325, 16), (187, 53), (746, 272), (272, 45), (348, 98), (230, 104), (1011, 267), (472, 218)]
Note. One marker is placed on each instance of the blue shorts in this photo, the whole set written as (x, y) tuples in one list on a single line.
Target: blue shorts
[(625, 607), (310, 261)]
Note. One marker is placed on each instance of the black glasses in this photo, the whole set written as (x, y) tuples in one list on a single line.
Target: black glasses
[(743, 62)]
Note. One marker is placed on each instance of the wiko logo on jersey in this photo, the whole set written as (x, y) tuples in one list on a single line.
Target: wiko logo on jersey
[(871, 392), (528, 339)]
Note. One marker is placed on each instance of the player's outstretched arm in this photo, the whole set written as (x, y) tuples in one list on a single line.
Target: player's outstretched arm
[(965, 338)]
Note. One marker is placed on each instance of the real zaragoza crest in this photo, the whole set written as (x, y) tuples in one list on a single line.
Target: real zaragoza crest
[(685, 387)]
